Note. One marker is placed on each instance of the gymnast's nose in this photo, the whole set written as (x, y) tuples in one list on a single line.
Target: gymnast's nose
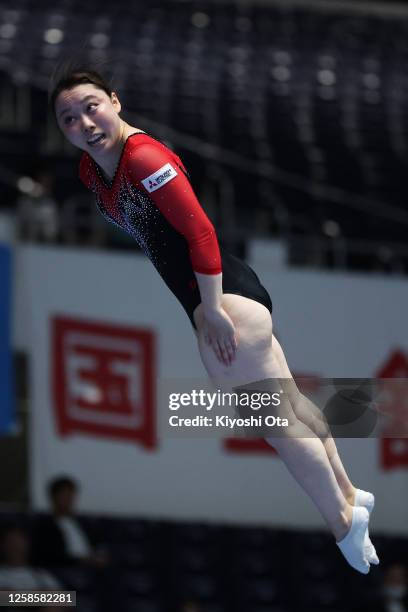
[(88, 125)]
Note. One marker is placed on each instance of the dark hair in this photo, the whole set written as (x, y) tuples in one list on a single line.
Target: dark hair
[(70, 73), (59, 484)]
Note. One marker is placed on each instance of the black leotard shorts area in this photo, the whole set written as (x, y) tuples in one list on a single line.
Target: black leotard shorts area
[(237, 278)]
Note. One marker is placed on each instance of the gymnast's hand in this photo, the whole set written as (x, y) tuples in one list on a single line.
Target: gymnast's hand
[(219, 333)]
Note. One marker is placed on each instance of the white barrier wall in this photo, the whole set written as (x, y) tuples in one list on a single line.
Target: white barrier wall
[(102, 325)]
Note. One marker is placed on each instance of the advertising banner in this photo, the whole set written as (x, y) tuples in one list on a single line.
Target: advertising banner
[(115, 363)]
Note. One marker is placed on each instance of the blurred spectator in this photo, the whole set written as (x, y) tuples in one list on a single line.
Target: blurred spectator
[(393, 596), (16, 572), (59, 539), (81, 222), (15, 569), (37, 209)]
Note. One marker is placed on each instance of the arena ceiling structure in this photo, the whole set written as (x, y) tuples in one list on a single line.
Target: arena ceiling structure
[(302, 104)]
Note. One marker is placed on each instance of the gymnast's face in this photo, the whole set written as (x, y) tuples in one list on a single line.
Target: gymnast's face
[(89, 118)]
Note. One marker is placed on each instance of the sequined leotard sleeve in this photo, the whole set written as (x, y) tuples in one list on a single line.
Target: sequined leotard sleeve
[(151, 167)]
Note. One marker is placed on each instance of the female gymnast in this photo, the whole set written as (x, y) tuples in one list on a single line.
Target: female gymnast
[(143, 187)]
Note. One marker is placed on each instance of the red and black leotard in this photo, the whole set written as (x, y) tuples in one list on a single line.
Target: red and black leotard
[(151, 198)]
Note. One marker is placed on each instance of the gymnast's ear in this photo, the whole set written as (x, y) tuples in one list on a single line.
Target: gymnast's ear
[(115, 102)]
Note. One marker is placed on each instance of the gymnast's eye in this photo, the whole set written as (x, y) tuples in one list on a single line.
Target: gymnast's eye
[(68, 120), (92, 104)]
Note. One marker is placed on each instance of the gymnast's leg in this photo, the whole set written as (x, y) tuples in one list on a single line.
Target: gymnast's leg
[(309, 414), (299, 447)]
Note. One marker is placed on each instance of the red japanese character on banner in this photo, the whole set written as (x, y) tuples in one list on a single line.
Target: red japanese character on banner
[(394, 450), (103, 380)]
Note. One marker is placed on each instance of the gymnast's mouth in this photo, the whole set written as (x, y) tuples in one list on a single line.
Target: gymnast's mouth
[(96, 139)]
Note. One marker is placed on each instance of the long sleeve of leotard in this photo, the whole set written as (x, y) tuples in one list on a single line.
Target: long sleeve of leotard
[(154, 171)]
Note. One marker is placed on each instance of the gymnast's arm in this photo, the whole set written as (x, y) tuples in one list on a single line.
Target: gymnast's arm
[(179, 204)]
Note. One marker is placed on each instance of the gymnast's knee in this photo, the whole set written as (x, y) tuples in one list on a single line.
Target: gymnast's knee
[(272, 410), (283, 437)]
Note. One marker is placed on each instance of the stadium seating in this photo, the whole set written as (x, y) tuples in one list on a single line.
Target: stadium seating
[(157, 565), (312, 103)]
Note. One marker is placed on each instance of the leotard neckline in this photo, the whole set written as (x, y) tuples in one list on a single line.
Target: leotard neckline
[(106, 183)]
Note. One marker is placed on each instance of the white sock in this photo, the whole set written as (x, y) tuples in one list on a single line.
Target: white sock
[(364, 498), (369, 550), (352, 545)]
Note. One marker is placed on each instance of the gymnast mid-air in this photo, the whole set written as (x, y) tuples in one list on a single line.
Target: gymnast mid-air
[(143, 187)]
